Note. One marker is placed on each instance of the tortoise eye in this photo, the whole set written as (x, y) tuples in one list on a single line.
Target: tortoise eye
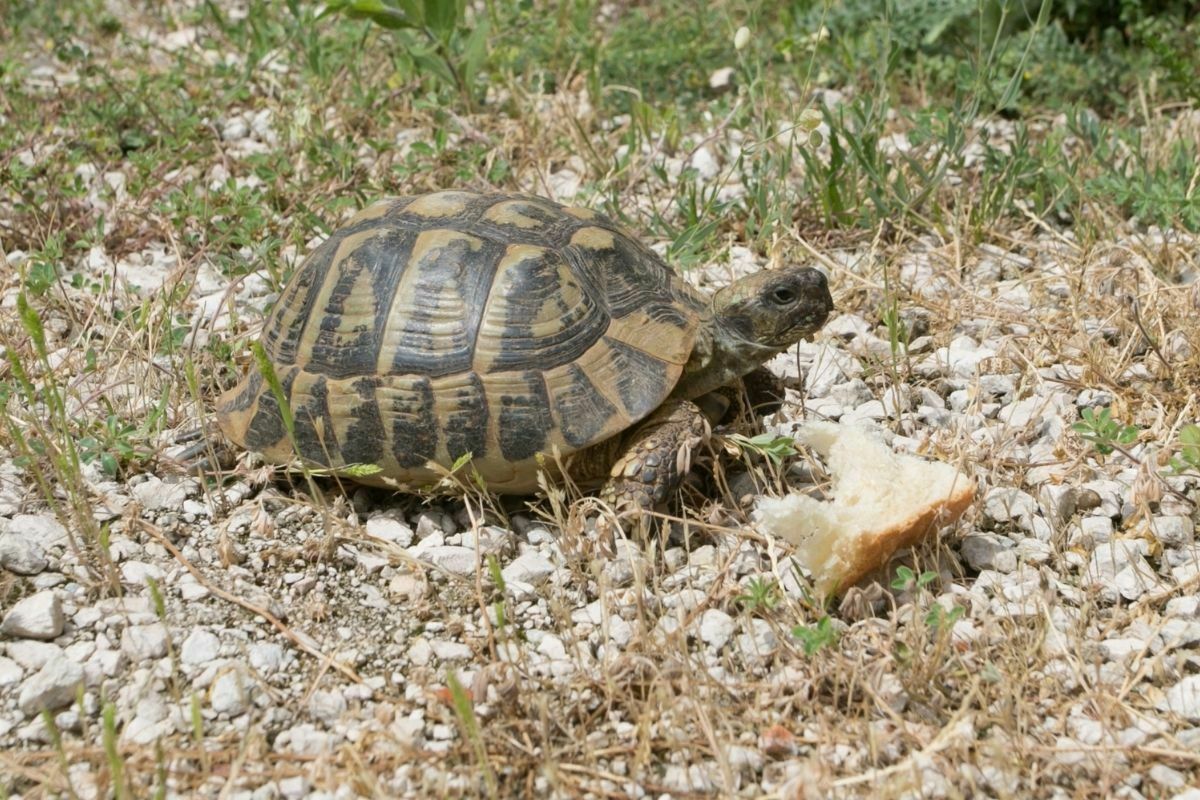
[(783, 296)]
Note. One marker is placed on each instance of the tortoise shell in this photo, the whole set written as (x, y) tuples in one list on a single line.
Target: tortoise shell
[(455, 323)]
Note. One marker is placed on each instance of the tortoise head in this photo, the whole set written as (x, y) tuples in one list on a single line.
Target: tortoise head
[(774, 308)]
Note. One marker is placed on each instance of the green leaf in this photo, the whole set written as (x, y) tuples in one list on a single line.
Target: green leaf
[(815, 637), (359, 470), (461, 462), (429, 63), (40, 277), (774, 447), (904, 578), (442, 17), (377, 11), (474, 51)]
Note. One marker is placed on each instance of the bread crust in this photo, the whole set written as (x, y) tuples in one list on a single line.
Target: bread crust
[(873, 550), (875, 511)]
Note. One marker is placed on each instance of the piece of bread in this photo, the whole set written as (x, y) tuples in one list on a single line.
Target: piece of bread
[(881, 502)]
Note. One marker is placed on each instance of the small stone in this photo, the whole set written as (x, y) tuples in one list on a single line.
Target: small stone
[(151, 721), (1058, 502), (39, 616), (1033, 551), (721, 79), (1006, 504), (1183, 607), (759, 642), (327, 706), (266, 657), (1166, 777), (200, 647), (10, 672), (306, 740), (552, 647), (694, 779), (32, 654), (22, 555), (407, 585), (489, 540), (744, 759), (451, 651), (716, 628), (52, 687), (390, 530), (143, 642), (135, 573), (963, 356), (420, 652), (156, 494), (1135, 580), (227, 695), (1087, 499), (41, 528), (1099, 529), (528, 568), (452, 558), (1121, 650), (1173, 531), (705, 164), (234, 129), (1109, 559), (988, 551), (1183, 699), (295, 787)]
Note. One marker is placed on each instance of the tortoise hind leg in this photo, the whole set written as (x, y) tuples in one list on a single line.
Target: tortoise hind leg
[(655, 456)]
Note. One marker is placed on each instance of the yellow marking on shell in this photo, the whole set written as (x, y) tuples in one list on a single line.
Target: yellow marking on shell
[(562, 381), (659, 339), (599, 364), (312, 326), (374, 211), (440, 204), (493, 326), (446, 308), (508, 212), (343, 403), (585, 214), (593, 238)]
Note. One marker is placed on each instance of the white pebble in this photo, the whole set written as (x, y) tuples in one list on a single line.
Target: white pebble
[(528, 568), (452, 558), (716, 628), (143, 642), (227, 695), (1183, 699), (52, 687), (1173, 531), (22, 555), (200, 647), (39, 616), (390, 530)]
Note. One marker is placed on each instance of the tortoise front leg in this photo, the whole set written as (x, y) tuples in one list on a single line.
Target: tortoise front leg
[(655, 456)]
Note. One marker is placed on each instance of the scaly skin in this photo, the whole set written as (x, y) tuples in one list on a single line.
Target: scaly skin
[(655, 457)]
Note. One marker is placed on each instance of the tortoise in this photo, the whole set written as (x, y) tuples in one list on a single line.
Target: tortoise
[(506, 328)]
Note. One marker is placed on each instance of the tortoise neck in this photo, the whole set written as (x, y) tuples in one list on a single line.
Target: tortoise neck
[(718, 358)]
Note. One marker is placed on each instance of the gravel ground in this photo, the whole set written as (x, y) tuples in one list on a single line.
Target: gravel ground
[(267, 644)]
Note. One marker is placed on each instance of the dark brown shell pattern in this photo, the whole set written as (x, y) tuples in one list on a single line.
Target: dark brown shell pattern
[(455, 323)]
